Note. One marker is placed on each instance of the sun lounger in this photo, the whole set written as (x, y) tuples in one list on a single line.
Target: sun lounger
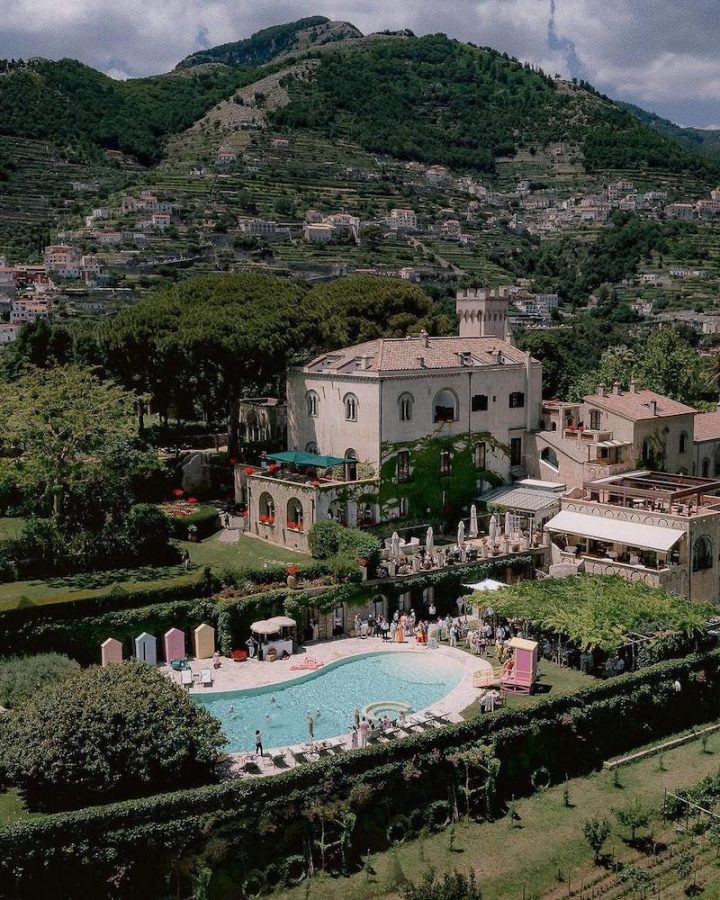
[(280, 762), (186, 678), (206, 678)]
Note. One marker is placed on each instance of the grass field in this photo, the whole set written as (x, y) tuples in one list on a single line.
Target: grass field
[(248, 551), (544, 854)]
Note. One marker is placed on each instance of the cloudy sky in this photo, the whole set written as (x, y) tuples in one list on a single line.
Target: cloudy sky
[(661, 55)]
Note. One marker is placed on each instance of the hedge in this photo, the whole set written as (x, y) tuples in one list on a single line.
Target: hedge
[(206, 520), (77, 628), (267, 820)]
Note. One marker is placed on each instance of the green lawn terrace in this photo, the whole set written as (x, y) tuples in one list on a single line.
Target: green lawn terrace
[(245, 553)]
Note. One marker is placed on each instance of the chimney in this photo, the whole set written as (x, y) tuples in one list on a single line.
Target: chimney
[(633, 386), (424, 338), (601, 390), (616, 388)]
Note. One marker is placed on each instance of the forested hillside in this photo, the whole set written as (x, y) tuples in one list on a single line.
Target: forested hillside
[(265, 45), (441, 101), (707, 140), (83, 111)]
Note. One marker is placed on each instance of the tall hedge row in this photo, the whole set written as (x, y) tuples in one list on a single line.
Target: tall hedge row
[(251, 824)]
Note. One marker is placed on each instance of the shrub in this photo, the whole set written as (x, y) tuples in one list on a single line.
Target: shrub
[(453, 886), (204, 519), (328, 539), (147, 531), (119, 731), (21, 677)]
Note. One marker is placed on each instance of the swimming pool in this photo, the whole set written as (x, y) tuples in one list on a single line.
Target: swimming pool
[(331, 694)]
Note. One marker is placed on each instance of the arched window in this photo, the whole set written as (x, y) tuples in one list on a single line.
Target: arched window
[(351, 457), (312, 403), (549, 456), (351, 407), (706, 468), (702, 554), (445, 407), (295, 515), (266, 509), (405, 402), (311, 447), (682, 444)]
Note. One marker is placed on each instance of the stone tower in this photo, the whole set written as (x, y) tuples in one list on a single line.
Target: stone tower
[(483, 312)]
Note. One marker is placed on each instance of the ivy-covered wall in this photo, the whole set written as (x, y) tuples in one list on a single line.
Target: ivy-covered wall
[(427, 490)]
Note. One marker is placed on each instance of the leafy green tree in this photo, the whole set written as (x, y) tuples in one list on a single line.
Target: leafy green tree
[(596, 832), (59, 421), (21, 677), (671, 366), (108, 732), (637, 881), (616, 364), (634, 816), (452, 886)]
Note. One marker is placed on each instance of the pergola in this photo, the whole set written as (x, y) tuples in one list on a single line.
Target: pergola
[(663, 488)]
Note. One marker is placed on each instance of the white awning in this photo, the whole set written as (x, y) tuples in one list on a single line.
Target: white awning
[(632, 534)]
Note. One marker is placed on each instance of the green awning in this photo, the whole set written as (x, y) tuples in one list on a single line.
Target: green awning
[(300, 458)]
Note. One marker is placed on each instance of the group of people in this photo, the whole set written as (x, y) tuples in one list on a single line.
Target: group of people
[(364, 726)]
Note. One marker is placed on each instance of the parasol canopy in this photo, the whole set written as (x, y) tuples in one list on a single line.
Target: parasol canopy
[(473, 532)]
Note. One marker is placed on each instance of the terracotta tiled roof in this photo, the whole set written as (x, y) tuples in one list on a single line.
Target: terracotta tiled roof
[(707, 426), (639, 405), (416, 353)]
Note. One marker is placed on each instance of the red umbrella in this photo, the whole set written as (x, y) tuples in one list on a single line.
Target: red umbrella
[(192, 500), (177, 492)]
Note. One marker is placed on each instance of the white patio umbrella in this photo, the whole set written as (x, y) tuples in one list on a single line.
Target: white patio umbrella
[(395, 545), (429, 540), (492, 528), (461, 534), (473, 522)]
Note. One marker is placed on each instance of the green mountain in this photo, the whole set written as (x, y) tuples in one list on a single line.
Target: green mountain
[(82, 111), (266, 45), (706, 140), (441, 101)]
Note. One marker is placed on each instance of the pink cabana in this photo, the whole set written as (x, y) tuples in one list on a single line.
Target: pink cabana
[(520, 671), (111, 651), (174, 642)]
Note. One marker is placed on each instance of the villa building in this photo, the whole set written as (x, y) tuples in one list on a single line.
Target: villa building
[(648, 527), (400, 428), (610, 432)]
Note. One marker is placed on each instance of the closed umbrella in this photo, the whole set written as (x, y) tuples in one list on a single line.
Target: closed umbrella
[(508, 524), (429, 540), (492, 528), (395, 545), (461, 534), (473, 522)]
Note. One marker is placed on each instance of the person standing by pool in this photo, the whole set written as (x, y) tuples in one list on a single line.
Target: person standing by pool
[(453, 635), (258, 743), (310, 725), (357, 625), (356, 717), (364, 731), (354, 738)]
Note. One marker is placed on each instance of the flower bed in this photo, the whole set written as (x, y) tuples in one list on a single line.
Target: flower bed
[(183, 515)]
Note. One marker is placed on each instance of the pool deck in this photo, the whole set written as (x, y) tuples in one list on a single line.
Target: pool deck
[(232, 676)]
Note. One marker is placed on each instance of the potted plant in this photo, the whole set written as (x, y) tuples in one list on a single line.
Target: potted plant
[(192, 533)]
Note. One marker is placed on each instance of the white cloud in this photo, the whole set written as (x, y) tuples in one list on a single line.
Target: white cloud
[(665, 55)]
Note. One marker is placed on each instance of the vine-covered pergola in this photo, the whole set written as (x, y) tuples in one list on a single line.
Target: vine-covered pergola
[(594, 611)]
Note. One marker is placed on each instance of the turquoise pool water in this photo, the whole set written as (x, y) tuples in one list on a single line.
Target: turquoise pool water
[(331, 694)]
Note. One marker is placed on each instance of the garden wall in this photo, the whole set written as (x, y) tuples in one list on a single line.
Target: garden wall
[(329, 812)]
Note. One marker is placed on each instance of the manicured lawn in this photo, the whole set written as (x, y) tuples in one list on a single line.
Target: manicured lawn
[(211, 552), (552, 679), (547, 842), (12, 808)]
